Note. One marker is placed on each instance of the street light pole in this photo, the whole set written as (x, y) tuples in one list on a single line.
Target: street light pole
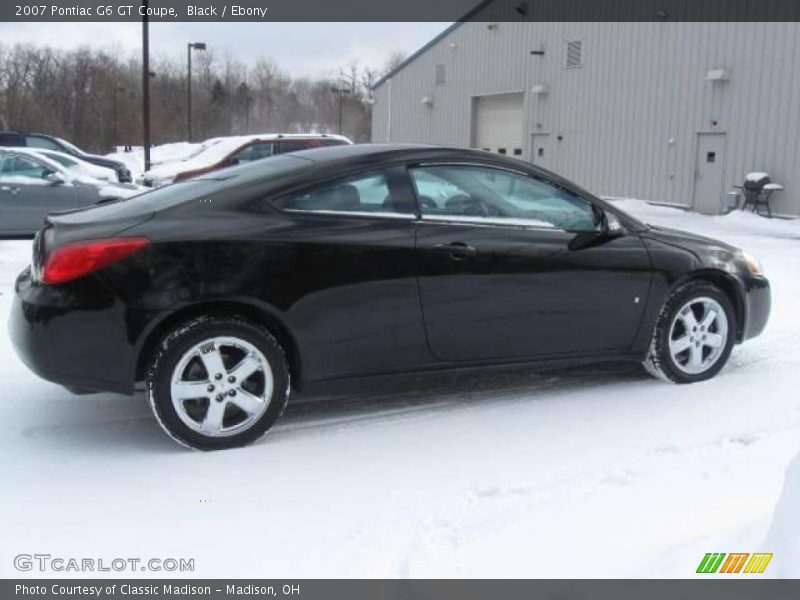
[(340, 111), (117, 89), (341, 91), (146, 86), (189, 47)]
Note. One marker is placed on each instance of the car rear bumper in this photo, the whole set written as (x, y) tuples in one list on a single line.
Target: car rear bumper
[(72, 335), (757, 305)]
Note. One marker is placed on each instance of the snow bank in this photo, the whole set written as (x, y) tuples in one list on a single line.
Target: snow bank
[(756, 176), (490, 474), (736, 223), (784, 535)]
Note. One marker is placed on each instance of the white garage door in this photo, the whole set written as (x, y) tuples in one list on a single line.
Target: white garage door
[(498, 123)]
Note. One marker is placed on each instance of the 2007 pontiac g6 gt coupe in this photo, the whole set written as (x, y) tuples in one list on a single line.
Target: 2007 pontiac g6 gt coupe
[(349, 261)]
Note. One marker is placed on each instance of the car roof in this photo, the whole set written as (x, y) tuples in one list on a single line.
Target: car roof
[(249, 137), (393, 151), (330, 161), (23, 132)]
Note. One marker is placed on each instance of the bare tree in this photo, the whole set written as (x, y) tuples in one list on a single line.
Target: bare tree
[(93, 97), (395, 59)]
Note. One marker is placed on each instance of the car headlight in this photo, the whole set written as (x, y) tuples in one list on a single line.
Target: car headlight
[(752, 263)]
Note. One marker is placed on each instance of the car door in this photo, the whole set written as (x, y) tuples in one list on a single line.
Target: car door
[(350, 261), (27, 196), (501, 274)]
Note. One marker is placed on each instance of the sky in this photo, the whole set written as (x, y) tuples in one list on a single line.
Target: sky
[(301, 49)]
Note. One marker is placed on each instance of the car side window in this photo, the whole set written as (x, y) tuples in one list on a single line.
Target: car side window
[(364, 194), (254, 152), (496, 196), (61, 159), (34, 141), (295, 145), (24, 171), (331, 142)]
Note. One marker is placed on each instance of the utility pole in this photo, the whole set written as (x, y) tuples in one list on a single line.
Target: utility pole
[(248, 102), (146, 85), (117, 90), (189, 47), (244, 93), (341, 90)]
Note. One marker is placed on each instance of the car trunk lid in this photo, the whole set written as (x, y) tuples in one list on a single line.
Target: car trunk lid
[(105, 221)]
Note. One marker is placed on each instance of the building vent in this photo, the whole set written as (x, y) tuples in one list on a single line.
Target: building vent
[(441, 74), (574, 54)]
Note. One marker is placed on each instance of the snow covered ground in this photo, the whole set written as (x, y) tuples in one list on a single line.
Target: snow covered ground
[(592, 472)]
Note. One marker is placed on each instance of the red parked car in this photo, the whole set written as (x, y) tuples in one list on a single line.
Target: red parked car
[(218, 153)]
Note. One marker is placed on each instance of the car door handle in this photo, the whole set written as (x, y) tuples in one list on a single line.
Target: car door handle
[(457, 250), (9, 190)]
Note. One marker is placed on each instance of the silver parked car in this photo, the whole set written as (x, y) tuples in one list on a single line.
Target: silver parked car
[(32, 186)]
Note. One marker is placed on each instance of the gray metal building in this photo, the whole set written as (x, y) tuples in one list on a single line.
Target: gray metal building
[(676, 113)]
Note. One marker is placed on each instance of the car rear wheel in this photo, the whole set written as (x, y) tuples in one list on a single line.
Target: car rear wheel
[(218, 382), (694, 335)]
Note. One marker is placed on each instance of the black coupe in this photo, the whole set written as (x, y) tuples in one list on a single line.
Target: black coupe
[(223, 292)]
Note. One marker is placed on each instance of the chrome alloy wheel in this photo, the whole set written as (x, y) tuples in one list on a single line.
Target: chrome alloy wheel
[(698, 335), (221, 386)]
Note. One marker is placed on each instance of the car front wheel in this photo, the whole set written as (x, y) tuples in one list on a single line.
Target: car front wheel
[(218, 382), (694, 334)]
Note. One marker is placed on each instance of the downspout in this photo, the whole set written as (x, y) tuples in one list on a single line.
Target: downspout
[(389, 112)]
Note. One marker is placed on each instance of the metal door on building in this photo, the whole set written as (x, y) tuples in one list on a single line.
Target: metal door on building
[(709, 173), (541, 154), (497, 122)]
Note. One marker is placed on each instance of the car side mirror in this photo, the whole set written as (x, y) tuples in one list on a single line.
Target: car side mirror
[(55, 178), (612, 226), (232, 162)]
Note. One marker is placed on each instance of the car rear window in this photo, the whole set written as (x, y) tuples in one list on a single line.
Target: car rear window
[(172, 195)]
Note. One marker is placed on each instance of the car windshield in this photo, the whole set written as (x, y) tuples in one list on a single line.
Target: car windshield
[(203, 147), (60, 158)]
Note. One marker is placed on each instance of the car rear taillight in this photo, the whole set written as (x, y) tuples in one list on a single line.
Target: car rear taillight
[(77, 259)]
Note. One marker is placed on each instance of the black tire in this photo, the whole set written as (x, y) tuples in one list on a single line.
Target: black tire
[(178, 342), (659, 361)]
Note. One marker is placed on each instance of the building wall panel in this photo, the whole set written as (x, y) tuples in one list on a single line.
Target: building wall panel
[(628, 118)]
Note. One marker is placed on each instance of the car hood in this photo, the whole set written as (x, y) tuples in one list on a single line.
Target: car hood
[(684, 239), (104, 162), (710, 252), (170, 169)]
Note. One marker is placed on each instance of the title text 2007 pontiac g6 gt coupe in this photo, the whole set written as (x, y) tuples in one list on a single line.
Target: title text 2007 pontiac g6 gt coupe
[(219, 291)]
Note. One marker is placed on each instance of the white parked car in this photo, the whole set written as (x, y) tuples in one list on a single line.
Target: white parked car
[(79, 167), (218, 153), (32, 186)]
